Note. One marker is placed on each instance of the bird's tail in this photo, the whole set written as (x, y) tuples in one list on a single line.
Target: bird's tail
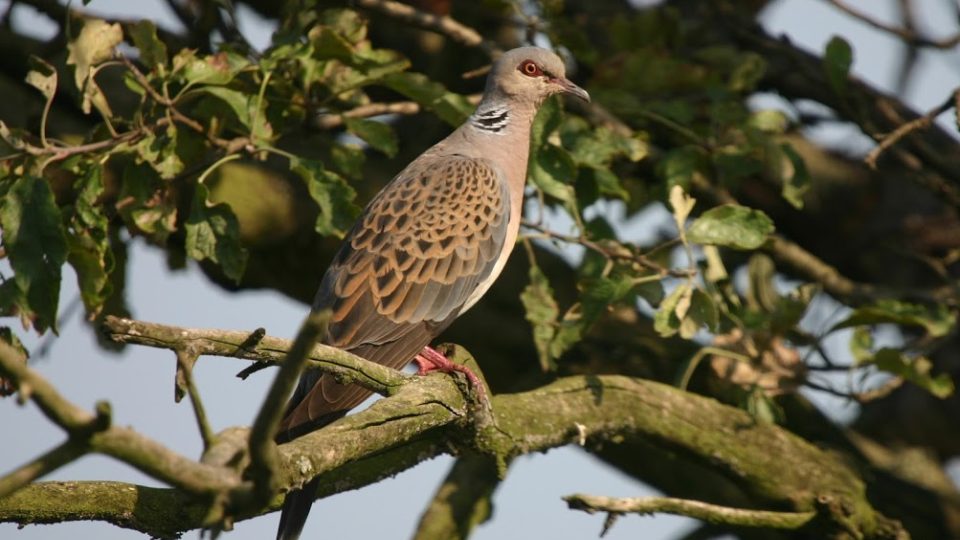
[(296, 508)]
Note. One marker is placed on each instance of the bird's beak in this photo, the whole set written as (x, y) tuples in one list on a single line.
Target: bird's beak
[(568, 87)]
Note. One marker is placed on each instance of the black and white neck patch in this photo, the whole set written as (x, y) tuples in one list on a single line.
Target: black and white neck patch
[(492, 120)]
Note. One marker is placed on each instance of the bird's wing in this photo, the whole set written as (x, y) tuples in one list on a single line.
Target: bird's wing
[(406, 270)]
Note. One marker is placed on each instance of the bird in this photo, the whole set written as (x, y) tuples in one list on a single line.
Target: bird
[(426, 248)]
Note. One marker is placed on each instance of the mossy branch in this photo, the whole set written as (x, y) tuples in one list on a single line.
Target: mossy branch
[(429, 416)]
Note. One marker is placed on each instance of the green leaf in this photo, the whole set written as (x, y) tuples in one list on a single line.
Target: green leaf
[(328, 44), (599, 147), (160, 152), (450, 107), (937, 322), (34, 240), (568, 333), (88, 242), (377, 134), (147, 205), (731, 226), (747, 73), (153, 51), (347, 159), (837, 59), (213, 233), (771, 121), (762, 407), (599, 294), (542, 312), (346, 22), (217, 69), (916, 370), (548, 120), (651, 291), (331, 193), (551, 170), (790, 309), (861, 345), (607, 182), (666, 321), (244, 108), (679, 165), (795, 178), (703, 311)]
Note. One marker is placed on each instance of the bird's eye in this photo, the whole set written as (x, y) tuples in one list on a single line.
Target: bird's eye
[(530, 69)]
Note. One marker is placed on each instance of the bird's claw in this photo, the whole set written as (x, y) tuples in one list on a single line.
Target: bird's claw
[(430, 359)]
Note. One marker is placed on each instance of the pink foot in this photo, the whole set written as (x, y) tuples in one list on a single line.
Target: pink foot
[(430, 359)]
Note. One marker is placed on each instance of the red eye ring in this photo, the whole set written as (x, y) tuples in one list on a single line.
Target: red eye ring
[(530, 68)]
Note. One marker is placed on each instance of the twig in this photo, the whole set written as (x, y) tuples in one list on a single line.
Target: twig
[(866, 396), (42, 465), (185, 362), (437, 23), (32, 386), (907, 35), (618, 251), (229, 146), (909, 127), (345, 366), (711, 513), (331, 121), (264, 462)]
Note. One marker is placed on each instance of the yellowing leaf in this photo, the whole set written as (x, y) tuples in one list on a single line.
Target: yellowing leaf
[(682, 205), (94, 45)]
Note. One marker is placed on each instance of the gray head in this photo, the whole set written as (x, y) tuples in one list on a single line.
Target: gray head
[(530, 74)]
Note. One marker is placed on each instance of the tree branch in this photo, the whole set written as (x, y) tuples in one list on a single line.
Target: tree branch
[(906, 34), (42, 465), (911, 126), (347, 367), (462, 501), (436, 23), (124, 444), (774, 466), (185, 362), (710, 513), (263, 450)]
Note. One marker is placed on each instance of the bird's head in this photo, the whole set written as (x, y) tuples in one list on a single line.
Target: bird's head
[(531, 74)]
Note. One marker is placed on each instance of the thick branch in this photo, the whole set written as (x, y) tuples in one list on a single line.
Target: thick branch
[(775, 467), (462, 501)]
